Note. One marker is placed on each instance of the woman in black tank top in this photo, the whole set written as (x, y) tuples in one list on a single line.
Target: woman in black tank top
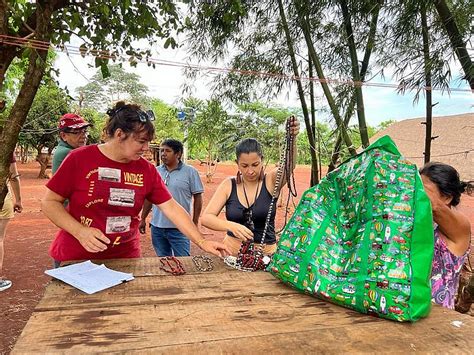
[(247, 198)]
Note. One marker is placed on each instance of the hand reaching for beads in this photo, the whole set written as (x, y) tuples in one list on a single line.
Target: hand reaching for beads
[(215, 248), (240, 231)]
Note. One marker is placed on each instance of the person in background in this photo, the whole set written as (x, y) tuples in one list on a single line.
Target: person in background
[(185, 185), (106, 186), (72, 135), (247, 198), (452, 230), (7, 213)]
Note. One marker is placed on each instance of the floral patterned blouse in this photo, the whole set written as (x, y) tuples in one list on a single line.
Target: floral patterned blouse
[(445, 272)]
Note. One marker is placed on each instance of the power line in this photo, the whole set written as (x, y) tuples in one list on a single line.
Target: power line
[(434, 143), (466, 152), (41, 116), (103, 54)]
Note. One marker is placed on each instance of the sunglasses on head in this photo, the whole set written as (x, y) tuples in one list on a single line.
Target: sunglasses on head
[(248, 221), (143, 116)]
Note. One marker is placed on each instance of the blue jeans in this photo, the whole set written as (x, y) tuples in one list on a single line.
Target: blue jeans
[(170, 242)]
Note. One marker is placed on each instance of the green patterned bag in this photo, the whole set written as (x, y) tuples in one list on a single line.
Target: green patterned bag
[(363, 237)]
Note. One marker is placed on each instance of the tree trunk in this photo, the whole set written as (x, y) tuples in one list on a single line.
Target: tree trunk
[(22, 154), (304, 106), (7, 53), (427, 68), (315, 173), (363, 71), (31, 82), (327, 92), (455, 37), (355, 74), (209, 164)]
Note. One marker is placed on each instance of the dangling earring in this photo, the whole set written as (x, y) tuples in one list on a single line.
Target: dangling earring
[(239, 177)]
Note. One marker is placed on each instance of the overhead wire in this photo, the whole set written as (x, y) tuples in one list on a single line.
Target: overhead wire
[(105, 54)]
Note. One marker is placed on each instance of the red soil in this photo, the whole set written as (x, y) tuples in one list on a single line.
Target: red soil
[(30, 233)]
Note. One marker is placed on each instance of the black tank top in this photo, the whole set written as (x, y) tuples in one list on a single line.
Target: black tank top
[(234, 212)]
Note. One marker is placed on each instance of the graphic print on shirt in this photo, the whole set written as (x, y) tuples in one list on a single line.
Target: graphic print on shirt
[(86, 221), (91, 188), (93, 202), (116, 241), (133, 179), (109, 174), (121, 197), (118, 224)]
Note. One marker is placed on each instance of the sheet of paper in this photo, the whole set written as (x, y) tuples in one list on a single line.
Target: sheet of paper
[(89, 277)]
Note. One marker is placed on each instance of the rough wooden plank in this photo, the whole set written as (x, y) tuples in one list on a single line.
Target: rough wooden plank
[(295, 323), (161, 290), (327, 341)]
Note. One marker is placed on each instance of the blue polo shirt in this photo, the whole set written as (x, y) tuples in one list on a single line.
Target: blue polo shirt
[(182, 182)]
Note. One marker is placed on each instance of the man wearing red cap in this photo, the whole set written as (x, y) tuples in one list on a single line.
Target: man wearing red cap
[(73, 134)]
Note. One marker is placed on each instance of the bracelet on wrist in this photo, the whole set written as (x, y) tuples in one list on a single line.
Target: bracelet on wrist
[(201, 242)]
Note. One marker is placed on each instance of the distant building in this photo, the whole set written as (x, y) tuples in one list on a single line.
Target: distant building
[(454, 145)]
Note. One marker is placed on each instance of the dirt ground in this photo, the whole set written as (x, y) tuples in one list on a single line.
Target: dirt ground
[(30, 233)]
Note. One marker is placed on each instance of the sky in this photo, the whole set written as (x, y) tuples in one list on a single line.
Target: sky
[(165, 83)]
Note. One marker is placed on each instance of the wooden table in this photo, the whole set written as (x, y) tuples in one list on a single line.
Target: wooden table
[(222, 311)]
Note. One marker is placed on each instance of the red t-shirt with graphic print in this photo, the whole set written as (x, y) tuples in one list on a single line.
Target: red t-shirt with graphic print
[(106, 195)]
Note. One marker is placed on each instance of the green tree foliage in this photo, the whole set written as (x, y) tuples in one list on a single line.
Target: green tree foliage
[(40, 129), (206, 132), (112, 27), (97, 119), (101, 92), (276, 37), (385, 124), (265, 123), (166, 121)]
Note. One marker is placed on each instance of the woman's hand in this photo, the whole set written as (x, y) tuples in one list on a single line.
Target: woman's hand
[(215, 248), (92, 239), (240, 231)]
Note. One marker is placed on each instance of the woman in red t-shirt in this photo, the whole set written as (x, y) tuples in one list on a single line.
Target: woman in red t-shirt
[(106, 186)]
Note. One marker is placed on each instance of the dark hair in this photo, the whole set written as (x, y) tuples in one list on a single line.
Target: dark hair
[(247, 146), (174, 144), (447, 180), (130, 119)]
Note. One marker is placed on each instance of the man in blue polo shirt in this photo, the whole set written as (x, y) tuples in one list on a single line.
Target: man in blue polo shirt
[(185, 186)]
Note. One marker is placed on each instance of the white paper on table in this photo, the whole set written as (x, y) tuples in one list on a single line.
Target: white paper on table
[(89, 277)]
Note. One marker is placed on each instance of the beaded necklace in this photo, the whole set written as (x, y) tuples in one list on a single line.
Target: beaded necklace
[(248, 214), (172, 266), (200, 260)]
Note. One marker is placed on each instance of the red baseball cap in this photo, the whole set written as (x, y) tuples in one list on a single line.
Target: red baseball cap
[(72, 121)]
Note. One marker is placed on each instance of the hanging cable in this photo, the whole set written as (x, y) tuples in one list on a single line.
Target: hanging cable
[(104, 54)]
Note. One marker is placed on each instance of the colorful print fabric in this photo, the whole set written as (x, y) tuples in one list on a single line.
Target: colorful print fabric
[(350, 238), (445, 272)]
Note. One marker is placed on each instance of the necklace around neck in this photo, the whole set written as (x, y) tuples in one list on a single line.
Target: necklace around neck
[(245, 193)]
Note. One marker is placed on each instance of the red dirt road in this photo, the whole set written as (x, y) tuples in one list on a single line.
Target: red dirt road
[(30, 233)]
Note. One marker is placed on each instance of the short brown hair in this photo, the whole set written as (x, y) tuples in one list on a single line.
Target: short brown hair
[(130, 119)]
